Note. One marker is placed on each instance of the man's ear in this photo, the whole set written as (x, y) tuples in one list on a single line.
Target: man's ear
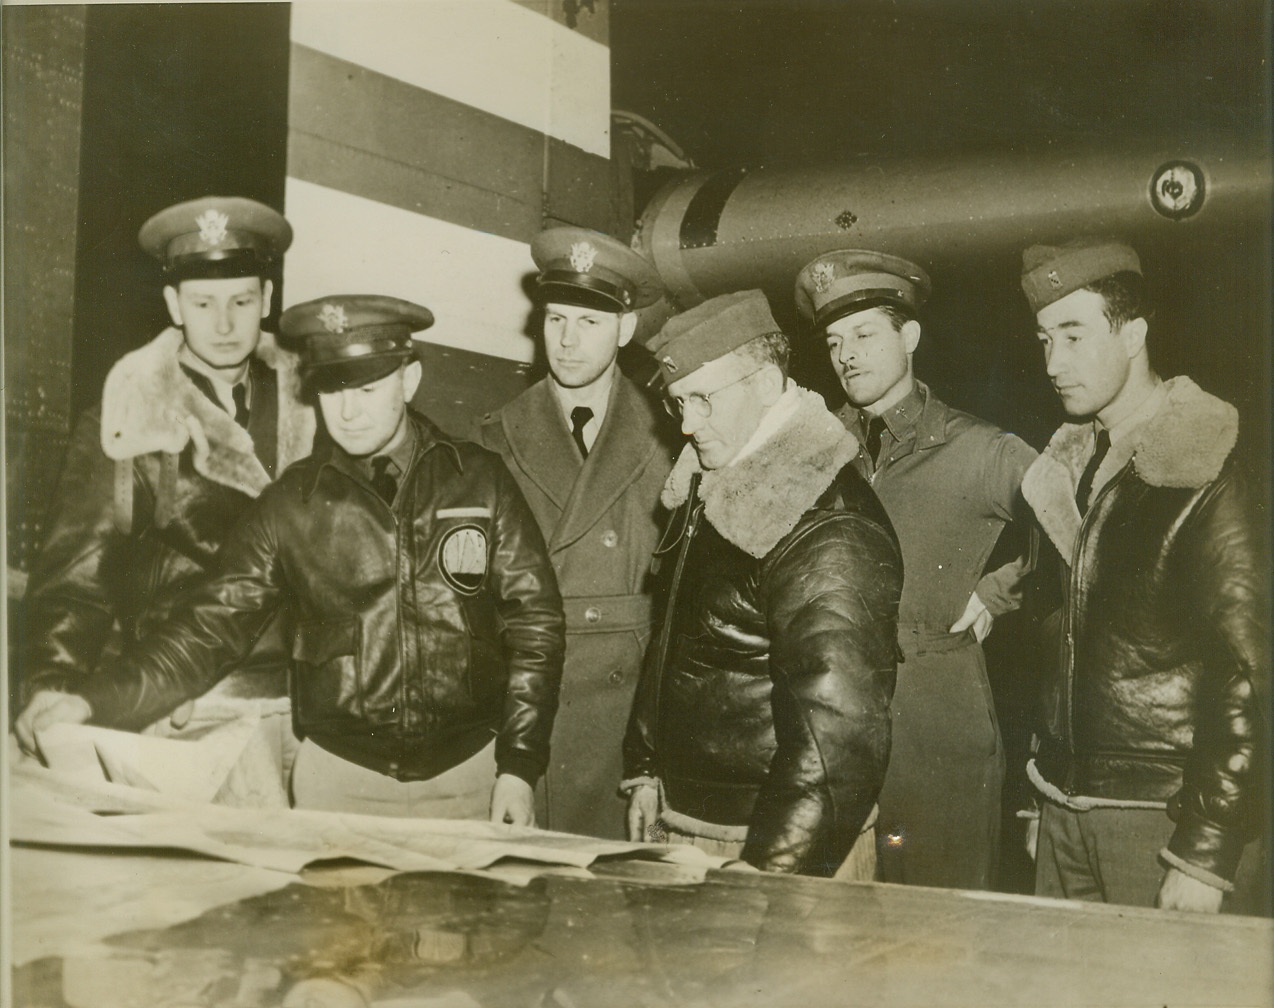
[(627, 326), (1133, 333), (910, 335), (267, 297), (771, 384), (412, 374), (174, 305)]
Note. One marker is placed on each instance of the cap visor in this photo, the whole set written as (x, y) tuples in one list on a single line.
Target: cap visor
[(336, 375), (568, 294), (838, 310), (239, 263)]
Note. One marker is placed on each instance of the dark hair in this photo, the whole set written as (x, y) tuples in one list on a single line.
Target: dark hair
[(1125, 296), (897, 314), (768, 348)]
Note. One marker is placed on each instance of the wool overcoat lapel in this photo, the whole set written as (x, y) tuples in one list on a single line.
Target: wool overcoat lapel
[(616, 461), (548, 456)]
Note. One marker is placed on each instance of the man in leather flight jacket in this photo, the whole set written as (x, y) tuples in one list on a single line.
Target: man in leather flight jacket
[(761, 724), (191, 427), (1162, 695), (428, 625)]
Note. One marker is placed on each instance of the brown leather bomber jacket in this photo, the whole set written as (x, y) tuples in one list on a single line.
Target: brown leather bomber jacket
[(419, 632), (765, 699), (1162, 692)]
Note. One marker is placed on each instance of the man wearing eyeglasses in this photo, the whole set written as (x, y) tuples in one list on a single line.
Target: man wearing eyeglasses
[(761, 725), (590, 453)]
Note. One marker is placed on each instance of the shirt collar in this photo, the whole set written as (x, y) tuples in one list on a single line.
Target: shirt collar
[(901, 417), (595, 396), (189, 360), (401, 455)]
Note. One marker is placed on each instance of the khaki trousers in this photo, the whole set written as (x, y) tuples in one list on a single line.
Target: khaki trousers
[(324, 782)]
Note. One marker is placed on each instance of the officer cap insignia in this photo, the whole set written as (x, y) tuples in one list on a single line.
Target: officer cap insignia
[(333, 318), (582, 256), (213, 226), (823, 274)]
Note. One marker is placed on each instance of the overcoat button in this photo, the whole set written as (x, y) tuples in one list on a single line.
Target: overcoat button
[(592, 615), (610, 539), (616, 677)]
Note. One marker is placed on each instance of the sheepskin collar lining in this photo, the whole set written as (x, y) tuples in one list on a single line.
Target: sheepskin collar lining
[(149, 404), (1183, 445), (757, 502)]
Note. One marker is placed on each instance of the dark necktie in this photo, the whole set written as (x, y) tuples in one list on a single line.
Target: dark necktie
[(1085, 487), (383, 480), (875, 430), (240, 393), (580, 415)]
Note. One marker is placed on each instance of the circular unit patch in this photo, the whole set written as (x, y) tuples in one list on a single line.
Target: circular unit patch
[(462, 558)]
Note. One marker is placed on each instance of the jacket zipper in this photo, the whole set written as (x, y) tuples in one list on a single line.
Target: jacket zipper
[(665, 632), (1068, 635), (401, 547)]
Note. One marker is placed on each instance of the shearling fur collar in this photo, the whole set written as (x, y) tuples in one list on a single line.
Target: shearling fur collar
[(1184, 445), (756, 503), (149, 404)]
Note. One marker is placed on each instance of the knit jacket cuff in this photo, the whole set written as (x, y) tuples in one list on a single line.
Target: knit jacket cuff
[(520, 765)]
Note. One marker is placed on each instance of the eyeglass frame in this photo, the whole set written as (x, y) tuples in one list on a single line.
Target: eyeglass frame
[(676, 409)]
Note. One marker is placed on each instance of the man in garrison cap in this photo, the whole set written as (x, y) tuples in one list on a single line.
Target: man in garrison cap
[(761, 724), (949, 482), (191, 427), (1154, 766), (428, 624), (591, 453)]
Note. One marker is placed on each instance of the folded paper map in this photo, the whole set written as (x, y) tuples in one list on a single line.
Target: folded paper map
[(221, 796), (231, 765)]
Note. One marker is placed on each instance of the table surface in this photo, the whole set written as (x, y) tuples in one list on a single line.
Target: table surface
[(113, 930)]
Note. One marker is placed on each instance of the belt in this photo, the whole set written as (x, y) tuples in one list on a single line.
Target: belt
[(918, 639), (606, 613)]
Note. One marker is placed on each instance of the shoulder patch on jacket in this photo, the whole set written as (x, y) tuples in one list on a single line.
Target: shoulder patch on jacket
[(462, 558)]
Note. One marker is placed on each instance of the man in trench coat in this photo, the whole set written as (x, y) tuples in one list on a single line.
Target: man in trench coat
[(590, 454)]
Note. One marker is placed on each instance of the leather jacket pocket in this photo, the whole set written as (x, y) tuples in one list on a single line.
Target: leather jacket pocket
[(327, 685)]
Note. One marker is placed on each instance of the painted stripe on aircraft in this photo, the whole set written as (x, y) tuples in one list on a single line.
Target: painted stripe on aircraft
[(491, 54), (471, 281)]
